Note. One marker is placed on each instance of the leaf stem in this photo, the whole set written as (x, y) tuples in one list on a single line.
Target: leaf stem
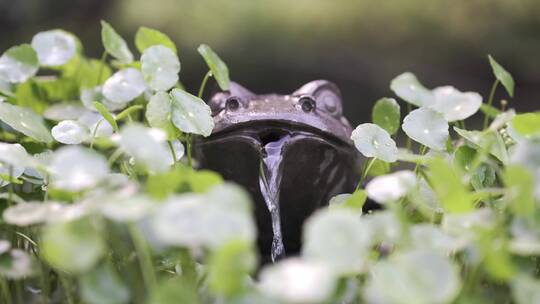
[(6, 293), (203, 83), (171, 148), (67, 288), (189, 139), (490, 100), (144, 257), (365, 173)]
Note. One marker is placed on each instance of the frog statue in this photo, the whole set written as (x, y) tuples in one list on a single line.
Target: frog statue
[(291, 152)]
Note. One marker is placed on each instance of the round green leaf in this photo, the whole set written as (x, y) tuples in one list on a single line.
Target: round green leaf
[(455, 105), (74, 246), (373, 141), (18, 64), (160, 67), (147, 37), (159, 111), (124, 86), (54, 47), (426, 127), (146, 147), (70, 132), (191, 114), (391, 187), (386, 114), (25, 121), (408, 88)]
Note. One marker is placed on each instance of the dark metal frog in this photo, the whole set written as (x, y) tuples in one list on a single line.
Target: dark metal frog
[(300, 145)]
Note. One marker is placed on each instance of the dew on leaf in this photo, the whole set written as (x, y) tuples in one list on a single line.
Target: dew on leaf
[(54, 47), (160, 67), (408, 88), (70, 132), (391, 187), (426, 127), (373, 141), (124, 86), (455, 105)]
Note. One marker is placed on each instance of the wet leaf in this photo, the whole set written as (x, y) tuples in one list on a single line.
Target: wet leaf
[(426, 127), (373, 141), (488, 140), (74, 168), (392, 187), (64, 111), (455, 105), (191, 114), (160, 67), (70, 132), (147, 37), (386, 114), (147, 150), (114, 44), (124, 86), (18, 64), (408, 88), (217, 66), (25, 121), (54, 47)]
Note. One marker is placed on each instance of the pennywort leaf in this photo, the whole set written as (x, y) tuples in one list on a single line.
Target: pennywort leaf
[(147, 37), (191, 114), (114, 44), (386, 114), (54, 47), (217, 66), (502, 75), (25, 121), (18, 64)]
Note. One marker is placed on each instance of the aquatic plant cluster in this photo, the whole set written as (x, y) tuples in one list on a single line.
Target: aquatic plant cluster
[(102, 204)]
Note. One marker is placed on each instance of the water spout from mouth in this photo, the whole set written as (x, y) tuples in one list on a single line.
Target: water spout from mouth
[(269, 183)]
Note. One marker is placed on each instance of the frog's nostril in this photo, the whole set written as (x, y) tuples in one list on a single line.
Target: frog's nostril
[(307, 104), (232, 103)]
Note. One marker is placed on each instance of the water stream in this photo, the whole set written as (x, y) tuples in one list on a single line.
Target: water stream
[(269, 183)]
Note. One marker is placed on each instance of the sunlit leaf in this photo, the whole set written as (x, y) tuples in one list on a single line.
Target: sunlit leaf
[(373, 141), (407, 87), (191, 114), (114, 44), (159, 111), (527, 124), (18, 63), (386, 114), (74, 168), (147, 37), (446, 181), (160, 67), (124, 86), (426, 127), (502, 75), (54, 47), (25, 121), (64, 111), (418, 276), (217, 66), (148, 150), (390, 188), (346, 253), (70, 132), (455, 105), (297, 281), (97, 125), (229, 267), (489, 141)]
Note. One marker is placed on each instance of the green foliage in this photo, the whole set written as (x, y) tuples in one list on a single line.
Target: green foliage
[(502, 75), (101, 204)]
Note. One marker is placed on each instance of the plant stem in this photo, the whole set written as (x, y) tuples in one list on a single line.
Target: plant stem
[(67, 288), (144, 258), (203, 84), (95, 132), (188, 148), (116, 154), (490, 101), (171, 148), (6, 293), (365, 173)]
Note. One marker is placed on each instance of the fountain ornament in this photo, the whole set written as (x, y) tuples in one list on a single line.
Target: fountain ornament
[(291, 152)]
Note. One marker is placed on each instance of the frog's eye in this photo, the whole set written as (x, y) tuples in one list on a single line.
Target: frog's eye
[(307, 103), (232, 103)]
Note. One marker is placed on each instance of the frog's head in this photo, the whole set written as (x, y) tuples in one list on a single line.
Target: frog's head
[(315, 108), (306, 130)]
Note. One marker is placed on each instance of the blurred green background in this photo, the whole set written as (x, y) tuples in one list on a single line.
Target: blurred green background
[(276, 46)]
